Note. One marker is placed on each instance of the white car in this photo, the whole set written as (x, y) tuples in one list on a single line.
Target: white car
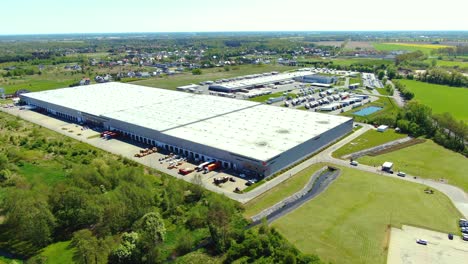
[(421, 242), (354, 163), (401, 174)]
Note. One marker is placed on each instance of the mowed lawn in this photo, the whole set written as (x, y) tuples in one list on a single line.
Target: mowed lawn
[(367, 140), (427, 160), (441, 98), (212, 74), (281, 191), (349, 222)]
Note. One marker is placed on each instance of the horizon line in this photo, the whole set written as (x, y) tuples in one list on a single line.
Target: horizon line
[(235, 31)]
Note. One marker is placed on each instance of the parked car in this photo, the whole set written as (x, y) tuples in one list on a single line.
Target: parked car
[(421, 242), (401, 174)]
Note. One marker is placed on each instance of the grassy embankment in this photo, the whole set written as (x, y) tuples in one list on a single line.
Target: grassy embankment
[(427, 160), (349, 223), (367, 140)]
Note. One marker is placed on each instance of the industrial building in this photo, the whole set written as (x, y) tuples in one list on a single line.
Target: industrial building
[(245, 136), (316, 78), (254, 81)]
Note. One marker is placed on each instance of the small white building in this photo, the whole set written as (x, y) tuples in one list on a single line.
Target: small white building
[(382, 128), (387, 166)]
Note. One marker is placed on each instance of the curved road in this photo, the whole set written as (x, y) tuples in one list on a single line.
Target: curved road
[(457, 195)]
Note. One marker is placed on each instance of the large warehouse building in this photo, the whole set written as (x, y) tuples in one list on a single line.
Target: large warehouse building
[(252, 81), (243, 135)]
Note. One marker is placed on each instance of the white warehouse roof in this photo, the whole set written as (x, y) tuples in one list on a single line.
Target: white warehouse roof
[(246, 128)]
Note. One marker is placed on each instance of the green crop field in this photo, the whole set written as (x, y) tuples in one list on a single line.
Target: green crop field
[(441, 98), (425, 48), (427, 160), (367, 140), (172, 82), (363, 61), (349, 222), (281, 191)]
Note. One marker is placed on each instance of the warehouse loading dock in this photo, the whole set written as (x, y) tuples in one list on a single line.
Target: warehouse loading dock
[(242, 135)]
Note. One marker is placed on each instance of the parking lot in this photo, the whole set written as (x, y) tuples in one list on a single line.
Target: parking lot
[(439, 249)]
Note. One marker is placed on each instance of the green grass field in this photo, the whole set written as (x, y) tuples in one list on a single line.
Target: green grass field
[(427, 160), (387, 103), (39, 83), (367, 140), (441, 98), (461, 65), (58, 253), (48, 173), (425, 48), (349, 222), (264, 98), (172, 82), (281, 191), (355, 80)]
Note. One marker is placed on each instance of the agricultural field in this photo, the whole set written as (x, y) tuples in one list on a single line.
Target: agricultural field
[(349, 223), (441, 98), (432, 162), (363, 61), (425, 48), (367, 140), (172, 82), (281, 191), (55, 76), (361, 45)]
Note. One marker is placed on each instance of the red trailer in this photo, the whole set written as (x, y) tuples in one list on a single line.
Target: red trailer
[(186, 171)]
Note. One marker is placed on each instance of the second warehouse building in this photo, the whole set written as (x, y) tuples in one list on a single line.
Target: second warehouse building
[(243, 135)]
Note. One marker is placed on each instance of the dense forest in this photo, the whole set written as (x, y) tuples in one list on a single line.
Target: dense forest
[(114, 210)]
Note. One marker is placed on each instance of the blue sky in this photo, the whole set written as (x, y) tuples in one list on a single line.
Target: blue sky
[(83, 16)]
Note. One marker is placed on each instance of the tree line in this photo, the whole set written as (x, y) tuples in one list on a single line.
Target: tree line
[(114, 211), (440, 76)]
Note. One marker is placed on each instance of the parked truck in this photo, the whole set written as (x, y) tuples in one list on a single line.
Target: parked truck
[(275, 99), (212, 167), (186, 171), (203, 165)]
